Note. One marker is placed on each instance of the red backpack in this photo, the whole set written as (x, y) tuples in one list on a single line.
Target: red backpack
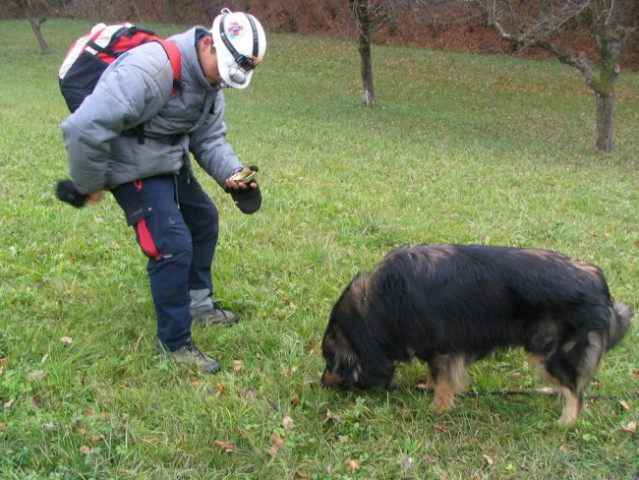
[(91, 54)]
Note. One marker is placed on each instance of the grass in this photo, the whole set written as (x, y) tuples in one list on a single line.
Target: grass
[(461, 148)]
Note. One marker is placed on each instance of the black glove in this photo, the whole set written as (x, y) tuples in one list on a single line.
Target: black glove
[(248, 200), (65, 191)]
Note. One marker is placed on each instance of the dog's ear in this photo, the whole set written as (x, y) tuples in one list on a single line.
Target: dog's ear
[(347, 364)]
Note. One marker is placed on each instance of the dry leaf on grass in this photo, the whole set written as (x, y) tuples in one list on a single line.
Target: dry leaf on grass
[(441, 428), (407, 463), (276, 444), (288, 423), (429, 460), (36, 375), (630, 427), (489, 460), (220, 390), (353, 466), (251, 393), (66, 340), (625, 405), (228, 447)]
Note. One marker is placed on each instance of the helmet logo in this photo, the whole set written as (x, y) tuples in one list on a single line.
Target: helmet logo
[(236, 30)]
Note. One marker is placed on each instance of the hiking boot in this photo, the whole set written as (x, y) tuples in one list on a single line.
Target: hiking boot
[(190, 354), (214, 316)]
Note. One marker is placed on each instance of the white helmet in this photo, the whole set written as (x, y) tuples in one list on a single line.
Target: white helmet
[(240, 43)]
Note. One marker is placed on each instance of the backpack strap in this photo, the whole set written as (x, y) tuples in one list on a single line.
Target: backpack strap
[(173, 52)]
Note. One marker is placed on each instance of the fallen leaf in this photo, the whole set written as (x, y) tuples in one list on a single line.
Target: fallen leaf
[(288, 423), (630, 427), (625, 405), (277, 441), (441, 428), (300, 475), (333, 417), (343, 439), (251, 393), (4, 360), (353, 466), (430, 460), (220, 390), (276, 444), (85, 450), (489, 460), (295, 401), (36, 375), (407, 462), (8, 403), (635, 373), (564, 448), (66, 340), (228, 447)]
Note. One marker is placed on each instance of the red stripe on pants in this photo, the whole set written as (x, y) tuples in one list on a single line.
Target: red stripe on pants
[(146, 240)]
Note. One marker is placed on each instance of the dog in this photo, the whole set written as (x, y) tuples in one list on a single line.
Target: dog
[(450, 305)]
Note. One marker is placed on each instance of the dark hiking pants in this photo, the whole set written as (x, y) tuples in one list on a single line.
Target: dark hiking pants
[(176, 226)]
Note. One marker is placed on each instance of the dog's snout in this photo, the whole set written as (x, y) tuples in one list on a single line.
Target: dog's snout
[(330, 379)]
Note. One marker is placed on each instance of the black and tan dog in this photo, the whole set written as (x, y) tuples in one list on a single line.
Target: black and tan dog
[(450, 305)]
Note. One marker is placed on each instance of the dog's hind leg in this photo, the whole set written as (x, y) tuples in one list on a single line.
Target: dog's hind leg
[(449, 375), (572, 366)]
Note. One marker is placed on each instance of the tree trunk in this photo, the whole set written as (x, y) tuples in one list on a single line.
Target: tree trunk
[(360, 9), (602, 79), (605, 108), (367, 70), (35, 25)]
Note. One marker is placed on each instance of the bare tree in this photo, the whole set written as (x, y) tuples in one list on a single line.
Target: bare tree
[(361, 15), (368, 17), (539, 23), (35, 21)]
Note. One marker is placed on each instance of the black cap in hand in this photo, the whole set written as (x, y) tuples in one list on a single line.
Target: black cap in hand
[(65, 191)]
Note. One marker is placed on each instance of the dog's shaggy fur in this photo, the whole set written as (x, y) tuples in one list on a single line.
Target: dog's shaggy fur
[(450, 305)]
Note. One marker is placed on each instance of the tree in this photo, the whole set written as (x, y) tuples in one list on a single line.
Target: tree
[(35, 21), (611, 25), (361, 15), (368, 17)]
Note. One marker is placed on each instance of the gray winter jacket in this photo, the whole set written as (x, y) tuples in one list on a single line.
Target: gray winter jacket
[(134, 90)]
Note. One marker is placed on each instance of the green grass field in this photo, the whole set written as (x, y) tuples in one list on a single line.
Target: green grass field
[(460, 148)]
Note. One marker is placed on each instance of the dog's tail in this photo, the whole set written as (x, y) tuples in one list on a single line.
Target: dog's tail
[(620, 320)]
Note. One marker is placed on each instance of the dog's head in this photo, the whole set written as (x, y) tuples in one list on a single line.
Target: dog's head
[(354, 357)]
